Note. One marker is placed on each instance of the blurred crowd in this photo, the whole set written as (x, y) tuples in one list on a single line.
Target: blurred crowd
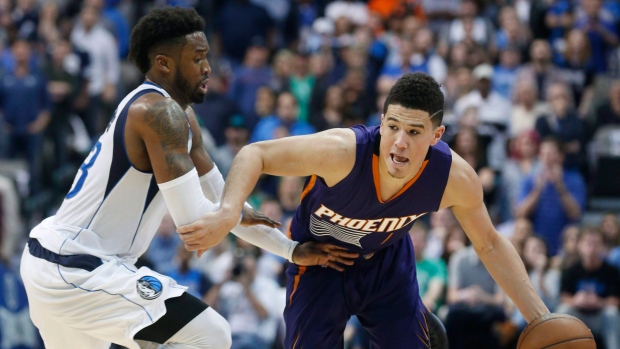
[(532, 90)]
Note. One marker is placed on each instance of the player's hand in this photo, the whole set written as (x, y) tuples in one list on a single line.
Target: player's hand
[(253, 217), (326, 255), (206, 232)]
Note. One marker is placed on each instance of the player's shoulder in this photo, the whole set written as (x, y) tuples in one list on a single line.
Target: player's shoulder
[(154, 105), (463, 185)]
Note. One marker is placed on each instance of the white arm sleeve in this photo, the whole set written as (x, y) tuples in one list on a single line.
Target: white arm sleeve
[(270, 239), (212, 184), (185, 199)]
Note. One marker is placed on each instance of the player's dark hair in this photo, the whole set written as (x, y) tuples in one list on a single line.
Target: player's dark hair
[(161, 27), (417, 91)]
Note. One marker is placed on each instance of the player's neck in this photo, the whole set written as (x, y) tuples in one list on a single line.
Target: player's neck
[(391, 185), (169, 87)]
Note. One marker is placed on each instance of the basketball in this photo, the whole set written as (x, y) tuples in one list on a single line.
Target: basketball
[(556, 331)]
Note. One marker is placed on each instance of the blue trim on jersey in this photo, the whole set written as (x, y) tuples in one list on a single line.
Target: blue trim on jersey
[(150, 195), (111, 294), (120, 159)]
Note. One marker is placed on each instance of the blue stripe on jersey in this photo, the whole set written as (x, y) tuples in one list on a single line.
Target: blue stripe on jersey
[(150, 195), (153, 190), (120, 159)]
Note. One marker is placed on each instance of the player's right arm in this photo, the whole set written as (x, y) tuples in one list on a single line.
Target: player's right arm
[(329, 155), (158, 126)]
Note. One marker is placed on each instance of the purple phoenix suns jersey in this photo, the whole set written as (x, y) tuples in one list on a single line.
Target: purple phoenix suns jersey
[(351, 213)]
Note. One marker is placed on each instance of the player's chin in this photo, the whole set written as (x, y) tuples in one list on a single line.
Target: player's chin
[(198, 97)]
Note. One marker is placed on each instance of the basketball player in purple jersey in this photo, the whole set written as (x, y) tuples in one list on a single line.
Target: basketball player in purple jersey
[(366, 187)]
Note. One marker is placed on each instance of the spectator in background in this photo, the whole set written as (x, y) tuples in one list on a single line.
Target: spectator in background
[(289, 194), (521, 230), (285, 119), (238, 24), (61, 71), (546, 280), (469, 28), (216, 263), (216, 108), (577, 68), (164, 246), (541, 68), (610, 228), (526, 107), (552, 197), (476, 303), (11, 228), (467, 145), (601, 30), (492, 117), (559, 18), (424, 55), (247, 300), (563, 123), (25, 104), (332, 114), (196, 282), (248, 77), (282, 68), (505, 73), (590, 290), (237, 135), (301, 84), (521, 164), (608, 113), (567, 255), (353, 10), (432, 274), (104, 72), (512, 32)]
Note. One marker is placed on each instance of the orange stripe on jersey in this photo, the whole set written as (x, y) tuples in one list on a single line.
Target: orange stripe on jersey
[(296, 339), (301, 272), (375, 176), (387, 238), (309, 186), (289, 235)]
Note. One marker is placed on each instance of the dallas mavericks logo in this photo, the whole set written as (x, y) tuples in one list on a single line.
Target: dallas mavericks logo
[(149, 287)]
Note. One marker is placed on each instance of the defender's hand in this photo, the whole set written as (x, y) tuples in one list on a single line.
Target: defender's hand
[(253, 217), (326, 255)]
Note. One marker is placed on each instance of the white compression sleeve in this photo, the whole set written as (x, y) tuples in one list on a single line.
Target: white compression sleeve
[(270, 239), (184, 198), (212, 184)]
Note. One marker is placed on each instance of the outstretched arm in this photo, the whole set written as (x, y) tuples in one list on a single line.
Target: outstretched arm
[(329, 154), (464, 195)]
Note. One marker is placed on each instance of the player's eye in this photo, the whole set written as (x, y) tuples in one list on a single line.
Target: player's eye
[(414, 132), (393, 128)]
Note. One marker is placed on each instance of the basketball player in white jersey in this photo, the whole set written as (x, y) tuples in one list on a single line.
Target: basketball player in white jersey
[(78, 266)]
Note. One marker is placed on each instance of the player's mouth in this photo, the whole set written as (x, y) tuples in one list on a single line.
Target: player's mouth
[(203, 86), (398, 161)]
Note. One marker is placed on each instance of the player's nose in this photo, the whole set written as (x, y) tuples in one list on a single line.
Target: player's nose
[(401, 140)]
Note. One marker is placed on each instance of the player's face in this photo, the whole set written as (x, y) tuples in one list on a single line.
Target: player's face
[(193, 71), (406, 135)]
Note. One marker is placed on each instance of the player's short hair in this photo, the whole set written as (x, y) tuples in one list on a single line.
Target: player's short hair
[(417, 91), (166, 26)]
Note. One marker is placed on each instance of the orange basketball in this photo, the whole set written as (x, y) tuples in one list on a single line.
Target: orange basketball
[(556, 331)]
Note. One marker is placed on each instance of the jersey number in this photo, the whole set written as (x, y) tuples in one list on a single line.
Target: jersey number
[(88, 163)]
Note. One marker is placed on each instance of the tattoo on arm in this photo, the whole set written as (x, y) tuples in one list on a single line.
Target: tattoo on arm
[(169, 122), (179, 164)]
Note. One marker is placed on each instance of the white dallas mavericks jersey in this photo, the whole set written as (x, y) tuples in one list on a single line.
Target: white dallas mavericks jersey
[(113, 209)]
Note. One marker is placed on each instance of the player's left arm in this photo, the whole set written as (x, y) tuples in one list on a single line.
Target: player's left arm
[(463, 194), (263, 233)]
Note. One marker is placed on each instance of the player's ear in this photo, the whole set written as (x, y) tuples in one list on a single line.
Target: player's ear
[(437, 133), (163, 63), (382, 119)]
